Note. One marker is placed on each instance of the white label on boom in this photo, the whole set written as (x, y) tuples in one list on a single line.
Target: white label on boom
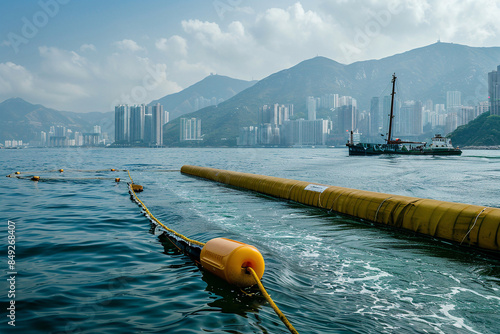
[(315, 187)]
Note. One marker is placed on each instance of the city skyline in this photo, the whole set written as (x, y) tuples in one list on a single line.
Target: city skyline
[(275, 128), (327, 94)]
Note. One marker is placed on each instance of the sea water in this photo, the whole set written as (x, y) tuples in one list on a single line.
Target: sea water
[(88, 261)]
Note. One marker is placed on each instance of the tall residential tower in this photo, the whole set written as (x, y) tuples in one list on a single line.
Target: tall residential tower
[(494, 91)]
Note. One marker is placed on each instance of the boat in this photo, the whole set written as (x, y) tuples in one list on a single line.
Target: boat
[(439, 146)]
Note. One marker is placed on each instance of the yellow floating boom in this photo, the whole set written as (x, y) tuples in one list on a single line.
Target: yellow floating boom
[(472, 225)]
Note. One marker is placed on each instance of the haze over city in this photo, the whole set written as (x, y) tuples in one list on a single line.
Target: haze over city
[(90, 56)]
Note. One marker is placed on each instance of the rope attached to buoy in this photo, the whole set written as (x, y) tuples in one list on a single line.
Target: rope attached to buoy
[(280, 314), (133, 189), (250, 270), (144, 207)]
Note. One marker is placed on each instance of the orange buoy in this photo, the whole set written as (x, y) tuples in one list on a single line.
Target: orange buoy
[(229, 259), (35, 178), (137, 188), (117, 179), (61, 170)]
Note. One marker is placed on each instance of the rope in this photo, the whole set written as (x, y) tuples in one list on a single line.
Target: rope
[(62, 178), (271, 302), (333, 202), (195, 242), (475, 221), (249, 269), (376, 214), (188, 240)]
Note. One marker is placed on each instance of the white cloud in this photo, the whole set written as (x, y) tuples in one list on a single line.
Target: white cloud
[(273, 40), (64, 64), (294, 27), (14, 79), (68, 81), (128, 45), (87, 47), (175, 44), (262, 41)]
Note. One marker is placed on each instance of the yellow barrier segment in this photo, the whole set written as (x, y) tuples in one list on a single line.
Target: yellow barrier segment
[(474, 225)]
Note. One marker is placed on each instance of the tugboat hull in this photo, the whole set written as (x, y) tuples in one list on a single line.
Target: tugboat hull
[(379, 149)]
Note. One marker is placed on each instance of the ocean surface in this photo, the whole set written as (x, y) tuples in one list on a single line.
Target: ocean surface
[(88, 261)]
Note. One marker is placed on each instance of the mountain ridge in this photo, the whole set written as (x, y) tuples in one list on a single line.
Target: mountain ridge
[(214, 85), (424, 73), (22, 120)]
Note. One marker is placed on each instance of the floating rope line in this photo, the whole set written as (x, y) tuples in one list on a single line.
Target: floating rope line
[(250, 270), (62, 178), (144, 207), (186, 245)]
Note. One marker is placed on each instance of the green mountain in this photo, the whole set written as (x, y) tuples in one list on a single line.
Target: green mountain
[(21, 120), (423, 73), (213, 86), (483, 131)]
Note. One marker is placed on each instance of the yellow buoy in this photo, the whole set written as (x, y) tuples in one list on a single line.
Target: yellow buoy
[(117, 179), (112, 169), (35, 178), (229, 259), (137, 188), (18, 173), (61, 170)]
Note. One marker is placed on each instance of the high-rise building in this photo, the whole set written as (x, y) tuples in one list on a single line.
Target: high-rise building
[(305, 133), (347, 119), (386, 112), (266, 115), (190, 129), (43, 138), (439, 108), (148, 126), (137, 114), (248, 136), (311, 108), (375, 116), (166, 117), (481, 108), (122, 124), (347, 101), (451, 122), (290, 109), (494, 91), (408, 120), (269, 134), (97, 129), (60, 131), (453, 100), (157, 125), (275, 114)]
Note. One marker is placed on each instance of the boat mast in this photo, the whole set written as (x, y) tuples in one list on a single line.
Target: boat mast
[(389, 136)]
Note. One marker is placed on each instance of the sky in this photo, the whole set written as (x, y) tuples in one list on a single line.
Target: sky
[(91, 55)]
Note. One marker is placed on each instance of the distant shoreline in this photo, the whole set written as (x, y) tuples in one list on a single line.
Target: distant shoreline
[(495, 147)]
